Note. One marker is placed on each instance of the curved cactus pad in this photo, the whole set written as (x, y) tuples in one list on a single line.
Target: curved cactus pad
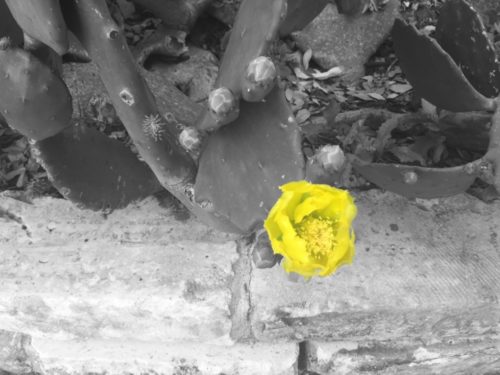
[(42, 20), (93, 170), (243, 165), (255, 27), (33, 100), (300, 13), (418, 182), (434, 74), (461, 33)]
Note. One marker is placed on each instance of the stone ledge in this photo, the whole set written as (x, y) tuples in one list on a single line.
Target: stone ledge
[(139, 287), (74, 274), (423, 270), (145, 357), (385, 358)]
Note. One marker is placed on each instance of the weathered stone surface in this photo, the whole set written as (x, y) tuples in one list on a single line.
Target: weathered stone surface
[(427, 273), (339, 40), (137, 273), (140, 357), (17, 355), (384, 358)]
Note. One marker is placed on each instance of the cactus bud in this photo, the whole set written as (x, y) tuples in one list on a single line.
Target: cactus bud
[(223, 106), (190, 139), (331, 158), (259, 79)]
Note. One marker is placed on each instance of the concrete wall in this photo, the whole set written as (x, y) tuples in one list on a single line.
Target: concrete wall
[(148, 289)]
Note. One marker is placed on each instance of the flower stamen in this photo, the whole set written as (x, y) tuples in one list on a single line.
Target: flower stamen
[(319, 234)]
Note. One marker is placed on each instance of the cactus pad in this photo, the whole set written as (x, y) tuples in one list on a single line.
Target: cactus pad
[(243, 165), (42, 20), (300, 13), (419, 182), (461, 33), (93, 170), (33, 99), (434, 74), (250, 38)]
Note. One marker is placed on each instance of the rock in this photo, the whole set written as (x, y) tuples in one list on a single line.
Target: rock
[(137, 273), (138, 357), (338, 40), (488, 9), (225, 10), (195, 77), (395, 358), (135, 291), (126, 7), (17, 356)]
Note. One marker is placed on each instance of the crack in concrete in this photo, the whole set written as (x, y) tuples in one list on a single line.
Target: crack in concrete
[(6, 214), (240, 306)]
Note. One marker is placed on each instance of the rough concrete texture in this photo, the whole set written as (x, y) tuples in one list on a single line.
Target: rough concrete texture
[(149, 289), (425, 276), (385, 358), (425, 271), (135, 287), (144, 357), (337, 40)]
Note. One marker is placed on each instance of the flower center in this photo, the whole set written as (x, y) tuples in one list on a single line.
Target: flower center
[(319, 234)]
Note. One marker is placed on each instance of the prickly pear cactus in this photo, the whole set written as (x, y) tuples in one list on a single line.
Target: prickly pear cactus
[(155, 137), (42, 20), (462, 35), (33, 99), (250, 39), (434, 74), (132, 99), (243, 165)]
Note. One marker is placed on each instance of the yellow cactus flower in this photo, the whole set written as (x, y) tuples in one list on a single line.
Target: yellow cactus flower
[(310, 225)]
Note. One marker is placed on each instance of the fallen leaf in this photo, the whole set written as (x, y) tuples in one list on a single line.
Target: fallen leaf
[(376, 96), (400, 88), (302, 115), (361, 96), (306, 58), (336, 71)]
